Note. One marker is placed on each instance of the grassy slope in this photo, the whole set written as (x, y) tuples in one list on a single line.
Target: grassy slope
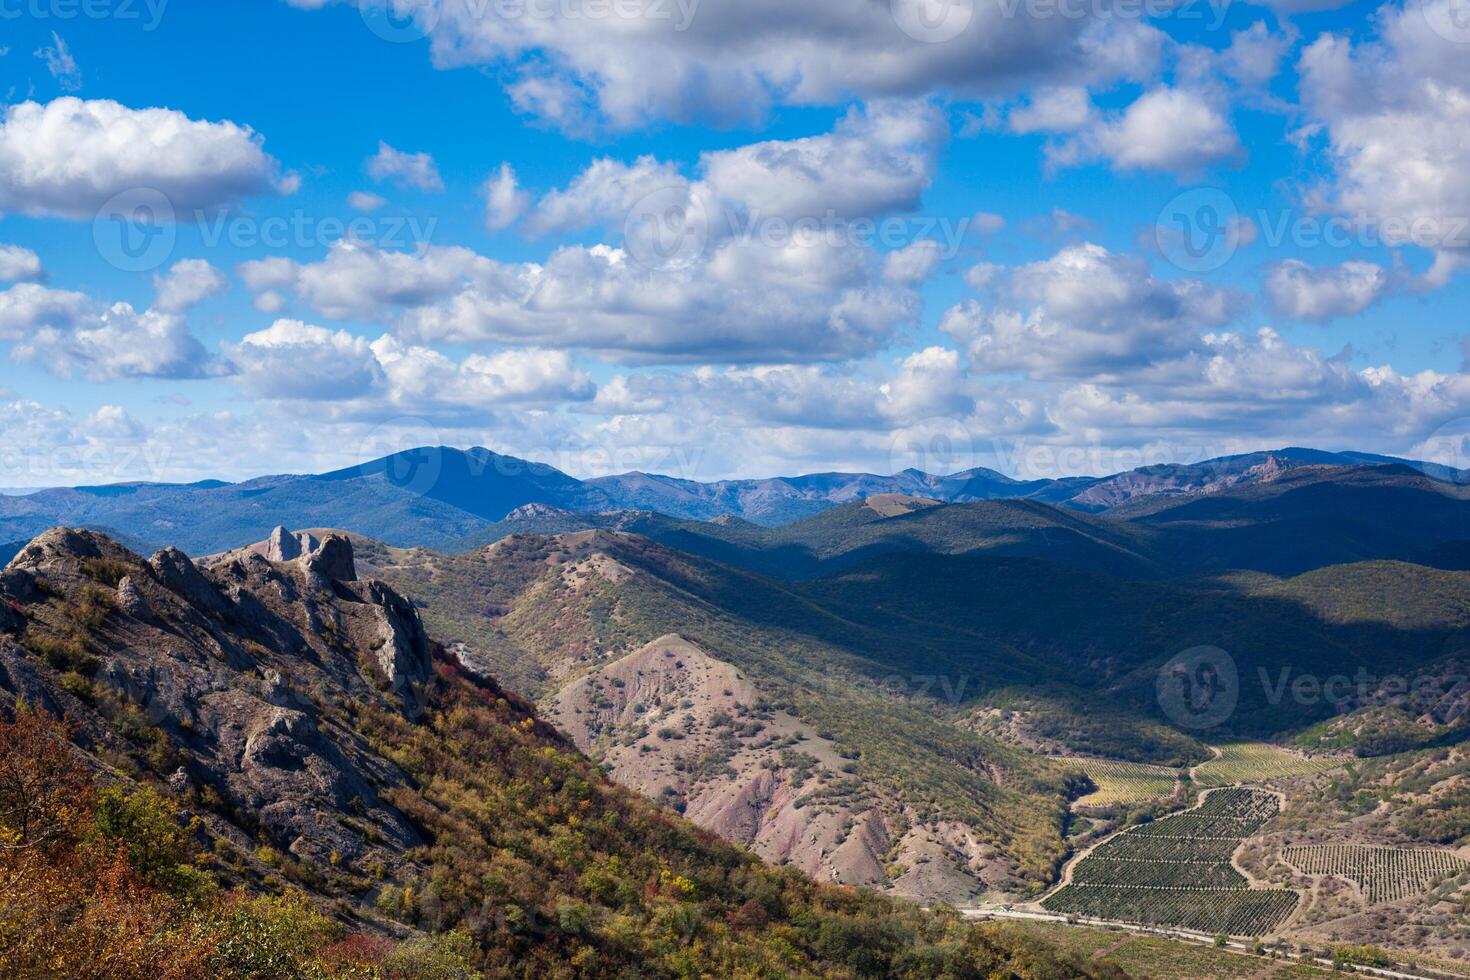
[(550, 869), (824, 669), (845, 535), (1112, 635), (1041, 629)]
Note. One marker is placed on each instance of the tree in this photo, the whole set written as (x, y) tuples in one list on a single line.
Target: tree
[(45, 793), (70, 903)]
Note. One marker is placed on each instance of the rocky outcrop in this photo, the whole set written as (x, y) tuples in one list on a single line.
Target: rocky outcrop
[(231, 678), (332, 560), (328, 557), (282, 545), (1172, 480)]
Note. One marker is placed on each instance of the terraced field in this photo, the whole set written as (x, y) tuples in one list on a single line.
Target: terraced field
[(1386, 874), (1176, 871), (1124, 782), (1155, 956), (1257, 762)]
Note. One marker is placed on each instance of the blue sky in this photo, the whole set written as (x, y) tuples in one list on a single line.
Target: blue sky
[(720, 239)]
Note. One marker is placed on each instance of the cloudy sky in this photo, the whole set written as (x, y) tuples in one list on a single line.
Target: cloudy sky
[(728, 237)]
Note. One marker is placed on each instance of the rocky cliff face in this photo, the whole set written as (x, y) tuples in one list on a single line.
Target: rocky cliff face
[(237, 681)]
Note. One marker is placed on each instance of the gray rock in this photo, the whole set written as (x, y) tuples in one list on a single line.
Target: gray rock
[(332, 560), (242, 664), (282, 545), (130, 599), (179, 575), (178, 783)]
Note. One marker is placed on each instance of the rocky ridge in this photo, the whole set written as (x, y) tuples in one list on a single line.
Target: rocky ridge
[(235, 680)]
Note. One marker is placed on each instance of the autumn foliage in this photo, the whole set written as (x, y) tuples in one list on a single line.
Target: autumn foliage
[(534, 867), (70, 902)]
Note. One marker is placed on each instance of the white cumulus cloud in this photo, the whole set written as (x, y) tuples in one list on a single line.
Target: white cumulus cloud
[(68, 157), (412, 170)]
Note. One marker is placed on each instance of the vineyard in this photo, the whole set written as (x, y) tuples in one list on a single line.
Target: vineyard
[(1233, 913), (1124, 782), (1176, 871), (1386, 874), (1257, 762)]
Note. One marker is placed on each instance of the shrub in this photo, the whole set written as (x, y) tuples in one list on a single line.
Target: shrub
[(447, 956), (268, 937)]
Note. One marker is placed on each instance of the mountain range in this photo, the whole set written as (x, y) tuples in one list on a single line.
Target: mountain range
[(570, 703), (450, 498)]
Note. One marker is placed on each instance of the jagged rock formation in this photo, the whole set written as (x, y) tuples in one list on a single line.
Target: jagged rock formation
[(282, 545), (241, 675), (326, 553)]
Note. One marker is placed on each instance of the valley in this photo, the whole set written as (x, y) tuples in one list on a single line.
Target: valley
[(1234, 864), (732, 692), (957, 705)]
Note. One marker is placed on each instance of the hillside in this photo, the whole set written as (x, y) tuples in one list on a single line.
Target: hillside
[(303, 736), (1001, 629), (849, 534), (1379, 852), (785, 499), (813, 738), (1312, 517), (725, 691), (1303, 519)]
